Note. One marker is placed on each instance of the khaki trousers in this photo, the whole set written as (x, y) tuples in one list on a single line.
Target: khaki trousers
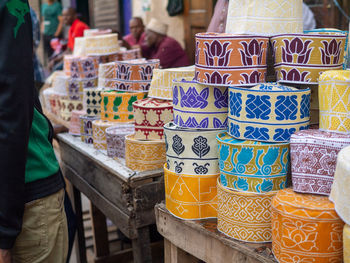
[(44, 235)]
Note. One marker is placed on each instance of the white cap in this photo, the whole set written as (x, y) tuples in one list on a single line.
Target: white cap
[(157, 26)]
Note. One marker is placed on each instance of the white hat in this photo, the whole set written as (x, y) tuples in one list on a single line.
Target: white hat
[(157, 26)]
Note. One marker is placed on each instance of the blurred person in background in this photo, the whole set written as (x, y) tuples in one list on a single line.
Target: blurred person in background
[(160, 46), (76, 26), (76, 29), (51, 26), (137, 33)]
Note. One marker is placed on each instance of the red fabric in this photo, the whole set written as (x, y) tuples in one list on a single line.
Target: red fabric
[(132, 41), (169, 52), (76, 30)]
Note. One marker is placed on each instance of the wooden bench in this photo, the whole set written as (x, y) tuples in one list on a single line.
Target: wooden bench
[(124, 196), (188, 241)]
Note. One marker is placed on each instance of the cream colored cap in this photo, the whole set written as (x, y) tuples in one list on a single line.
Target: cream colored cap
[(157, 26)]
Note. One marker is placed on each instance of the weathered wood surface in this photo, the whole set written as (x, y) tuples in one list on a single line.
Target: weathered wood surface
[(100, 233), (80, 245), (123, 221), (109, 185), (201, 239), (100, 158), (173, 254), (124, 196)]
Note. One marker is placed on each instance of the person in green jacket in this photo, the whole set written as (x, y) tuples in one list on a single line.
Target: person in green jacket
[(33, 224)]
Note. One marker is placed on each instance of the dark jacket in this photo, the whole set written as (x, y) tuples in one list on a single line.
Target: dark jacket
[(17, 101)]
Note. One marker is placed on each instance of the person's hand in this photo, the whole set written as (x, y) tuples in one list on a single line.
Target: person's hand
[(5, 256), (50, 66), (135, 46)]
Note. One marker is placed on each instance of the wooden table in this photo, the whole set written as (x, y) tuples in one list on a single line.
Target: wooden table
[(124, 196), (194, 240)]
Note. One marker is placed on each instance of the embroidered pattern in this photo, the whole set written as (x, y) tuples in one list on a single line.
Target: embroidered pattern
[(200, 146), (92, 101), (264, 17), (18, 9), (115, 137), (301, 58), (67, 107), (117, 106), (199, 106), (252, 166), (334, 100), (305, 228), (150, 117), (86, 128), (225, 59), (81, 67), (190, 196), (162, 81), (99, 133), (196, 149), (314, 156), (178, 147), (143, 155), (268, 112), (244, 216)]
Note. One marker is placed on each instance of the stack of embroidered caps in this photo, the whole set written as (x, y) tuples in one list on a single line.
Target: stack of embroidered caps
[(151, 115), (131, 80), (229, 59), (107, 79), (109, 105), (314, 154), (254, 156), (191, 171), (145, 150), (135, 75), (81, 73), (301, 58)]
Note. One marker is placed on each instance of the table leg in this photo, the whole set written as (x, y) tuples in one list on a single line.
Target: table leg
[(173, 254), (142, 246), (100, 232), (80, 246)]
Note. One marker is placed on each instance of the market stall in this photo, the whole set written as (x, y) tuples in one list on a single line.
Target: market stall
[(124, 196), (245, 166)]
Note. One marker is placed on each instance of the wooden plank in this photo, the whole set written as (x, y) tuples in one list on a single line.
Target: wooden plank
[(111, 187), (197, 15), (146, 196), (100, 233), (120, 256), (145, 218), (116, 215), (80, 246), (196, 238), (142, 246), (115, 167), (173, 254)]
